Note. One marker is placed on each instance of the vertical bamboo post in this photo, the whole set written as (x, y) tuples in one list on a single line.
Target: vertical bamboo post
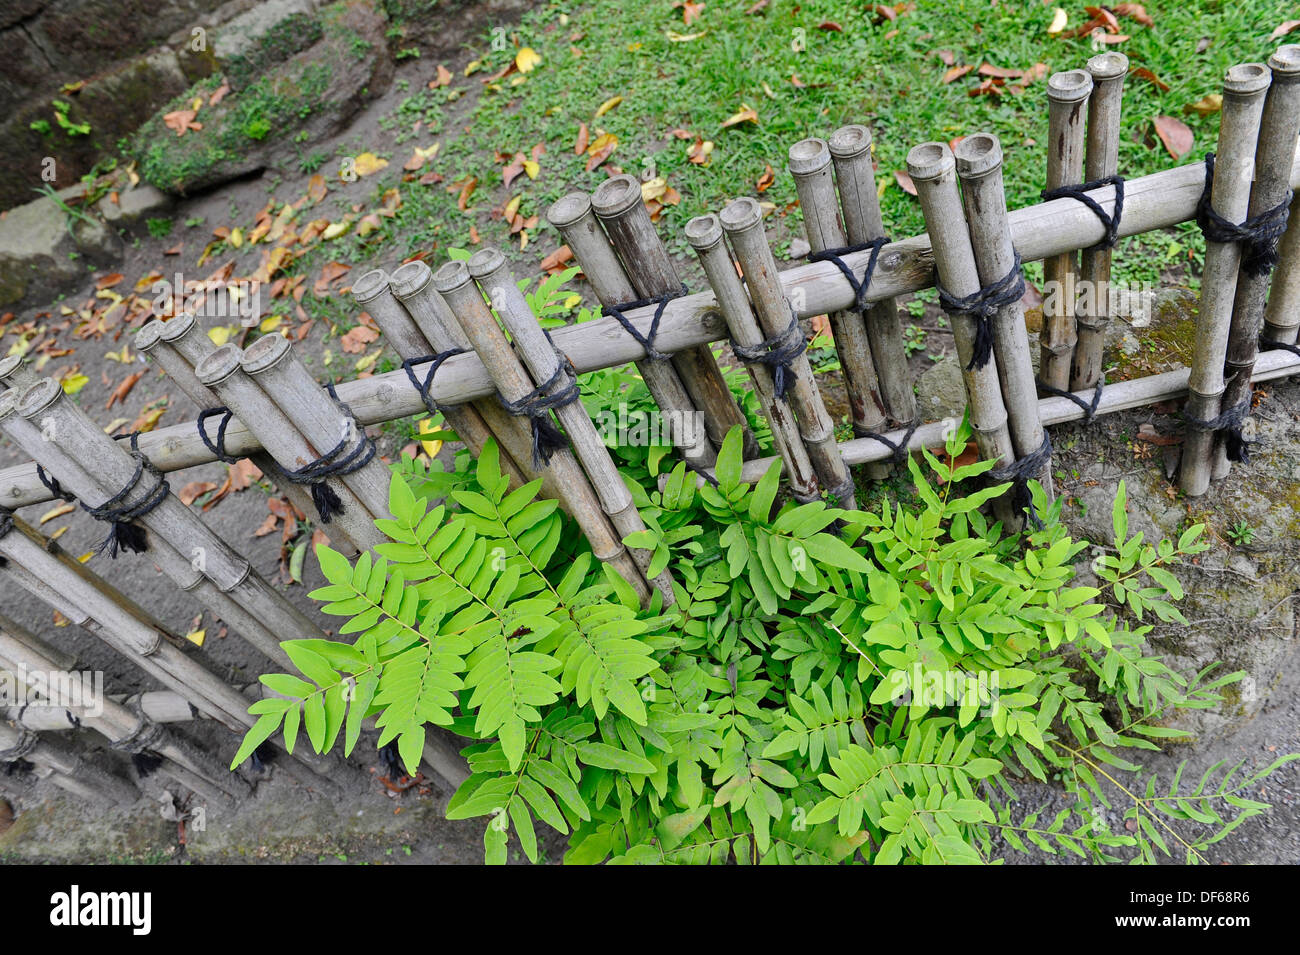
[(979, 167), (456, 285), (1274, 155), (71, 770), (618, 206), (850, 148), (810, 164), (1104, 105), (1282, 314), (1244, 88), (742, 221), (933, 171), (1067, 98), (271, 362), (705, 235), (16, 374), (222, 372), (573, 217), (489, 269)]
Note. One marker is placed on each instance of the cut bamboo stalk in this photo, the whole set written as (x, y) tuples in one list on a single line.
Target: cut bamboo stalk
[(1278, 129), (979, 167), (576, 222), (933, 171), (1152, 202), (406, 303), (1067, 98), (1244, 88), (705, 235), (742, 221), (454, 283), (271, 362), (620, 210), (16, 374), (489, 269), (810, 164), (850, 148), (222, 371), (1282, 315), (1104, 105), (71, 770)]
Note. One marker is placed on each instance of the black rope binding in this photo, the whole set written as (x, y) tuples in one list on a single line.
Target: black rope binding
[(645, 341), (898, 449), (53, 486), (702, 472), (425, 387), (860, 287), (217, 447), (1229, 423), (537, 405), (777, 353), (6, 525), (1089, 407), (333, 463), (125, 534), (1260, 233), (982, 306), (1080, 193), (1020, 473), (1268, 344)]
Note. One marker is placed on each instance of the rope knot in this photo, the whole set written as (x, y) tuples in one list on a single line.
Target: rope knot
[(982, 305), (1259, 233), (777, 353)]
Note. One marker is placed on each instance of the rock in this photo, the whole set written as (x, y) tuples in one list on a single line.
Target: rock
[(42, 253), (941, 392), (799, 248), (135, 204), (243, 34)]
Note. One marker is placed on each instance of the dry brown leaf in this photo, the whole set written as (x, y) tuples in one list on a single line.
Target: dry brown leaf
[(765, 181), (557, 260), (1175, 135), (747, 115), (1143, 73), (956, 73), (356, 340), (109, 280), (1206, 105), (330, 272), (905, 182), (242, 474), (123, 389), (192, 491), (584, 138), (317, 188), (1135, 11), (219, 93), (1283, 28)]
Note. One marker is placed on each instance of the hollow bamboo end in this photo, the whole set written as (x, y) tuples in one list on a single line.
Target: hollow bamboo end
[(809, 156), (1285, 63), (409, 279), (218, 365), (178, 326), (616, 196), (39, 397), (704, 232), (568, 210), (370, 286), (484, 262), (741, 214), (1110, 65), (978, 155), (8, 403), (1246, 79), (9, 365), (451, 276), (265, 353), (149, 335), (929, 161), (1069, 86), (850, 141)]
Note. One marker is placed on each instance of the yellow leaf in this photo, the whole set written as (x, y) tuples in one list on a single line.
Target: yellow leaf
[(746, 115), (59, 533), (236, 237), (74, 383), (196, 637), (366, 361), (1059, 19), (368, 163), (57, 512), (124, 357), (512, 207), (115, 424), (431, 448), (654, 188), (527, 59), (335, 229), (271, 323), (220, 335), (473, 66), (572, 301), (531, 168), (675, 37), (609, 104)]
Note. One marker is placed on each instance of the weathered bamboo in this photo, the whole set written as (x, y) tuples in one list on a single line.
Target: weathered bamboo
[(705, 235), (69, 768), (454, 282), (742, 221), (1152, 202), (222, 371), (490, 270), (1244, 88), (810, 164), (16, 374), (1067, 96), (1278, 129), (979, 167), (618, 206), (933, 171), (1282, 314), (850, 148), (1108, 71), (573, 217)]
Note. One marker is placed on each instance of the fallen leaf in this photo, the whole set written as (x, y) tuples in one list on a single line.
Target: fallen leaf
[(747, 115), (466, 190), (527, 59), (57, 512), (330, 272), (946, 57), (431, 447), (123, 389), (109, 280), (316, 188), (765, 181), (194, 490), (219, 93), (1143, 73), (356, 340), (1206, 105), (1000, 72), (690, 11), (443, 78), (584, 138), (700, 152), (1285, 27), (956, 73), (1059, 21), (367, 163), (196, 637), (905, 182), (1135, 11), (830, 26), (1150, 435), (1175, 135), (821, 327), (242, 474), (605, 107), (181, 120), (556, 261)]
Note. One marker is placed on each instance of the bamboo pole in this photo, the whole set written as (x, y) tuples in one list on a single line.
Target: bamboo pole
[(705, 235), (1152, 202), (70, 769), (933, 171), (1244, 88), (454, 282), (979, 167), (16, 374), (271, 362), (406, 303), (850, 148), (620, 210), (1282, 314), (222, 371), (489, 269), (1108, 71), (810, 164), (742, 221), (573, 217), (1279, 127), (1067, 98)]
